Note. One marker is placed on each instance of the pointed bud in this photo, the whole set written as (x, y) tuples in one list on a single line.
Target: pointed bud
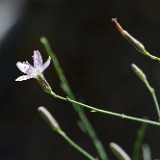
[(119, 152), (46, 115), (139, 72), (138, 45)]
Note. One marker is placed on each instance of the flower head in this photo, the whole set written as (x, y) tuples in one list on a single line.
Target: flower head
[(35, 70)]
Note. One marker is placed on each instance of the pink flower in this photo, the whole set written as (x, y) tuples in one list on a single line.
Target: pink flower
[(33, 71)]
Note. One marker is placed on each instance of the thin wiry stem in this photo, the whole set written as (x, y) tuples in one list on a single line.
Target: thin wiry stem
[(67, 89), (119, 115), (74, 145), (153, 94), (141, 75)]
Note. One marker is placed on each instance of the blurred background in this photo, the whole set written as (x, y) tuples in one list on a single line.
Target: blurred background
[(96, 61)]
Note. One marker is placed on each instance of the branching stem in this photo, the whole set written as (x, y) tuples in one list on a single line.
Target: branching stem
[(123, 116)]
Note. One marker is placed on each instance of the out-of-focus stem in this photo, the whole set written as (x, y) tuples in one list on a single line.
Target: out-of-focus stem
[(67, 89), (138, 142)]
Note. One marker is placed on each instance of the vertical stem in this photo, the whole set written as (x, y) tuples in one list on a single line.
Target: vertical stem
[(143, 78), (156, 104), (67, 89), (152, 91), (138, 143)]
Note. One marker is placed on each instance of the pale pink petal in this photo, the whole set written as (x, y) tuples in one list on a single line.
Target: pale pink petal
[(35, 70), (46, 64), (22, 67), (37, 59), (22, 78), (30, 69)]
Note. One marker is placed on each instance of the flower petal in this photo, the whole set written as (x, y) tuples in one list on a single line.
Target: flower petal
[(22, 78), (37, 59), (23, 67), (46, 64), (30, 69)]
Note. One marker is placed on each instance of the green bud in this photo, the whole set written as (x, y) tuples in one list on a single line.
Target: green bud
[(119, 152), (138, 72), (46, 115)]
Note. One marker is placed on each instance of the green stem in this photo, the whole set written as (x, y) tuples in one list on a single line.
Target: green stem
[(74, 145), (156, 104), (152, 91), (47, 116), (123, 116), (138, 143), (67, 89), (143, 77), (146, 53)]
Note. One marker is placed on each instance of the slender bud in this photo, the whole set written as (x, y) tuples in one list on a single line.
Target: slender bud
[(119, 152), (46, 115), (138, 45), (139, 72)]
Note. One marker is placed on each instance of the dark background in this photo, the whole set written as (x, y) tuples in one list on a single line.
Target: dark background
[(96, 61)]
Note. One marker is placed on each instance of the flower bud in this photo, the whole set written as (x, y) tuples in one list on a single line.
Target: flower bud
[(119, 152), (138, 72), (138, 45), (46, 115)]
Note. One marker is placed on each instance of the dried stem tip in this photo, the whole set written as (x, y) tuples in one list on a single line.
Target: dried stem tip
[(46, 115), (138, 45), (119, 27)]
